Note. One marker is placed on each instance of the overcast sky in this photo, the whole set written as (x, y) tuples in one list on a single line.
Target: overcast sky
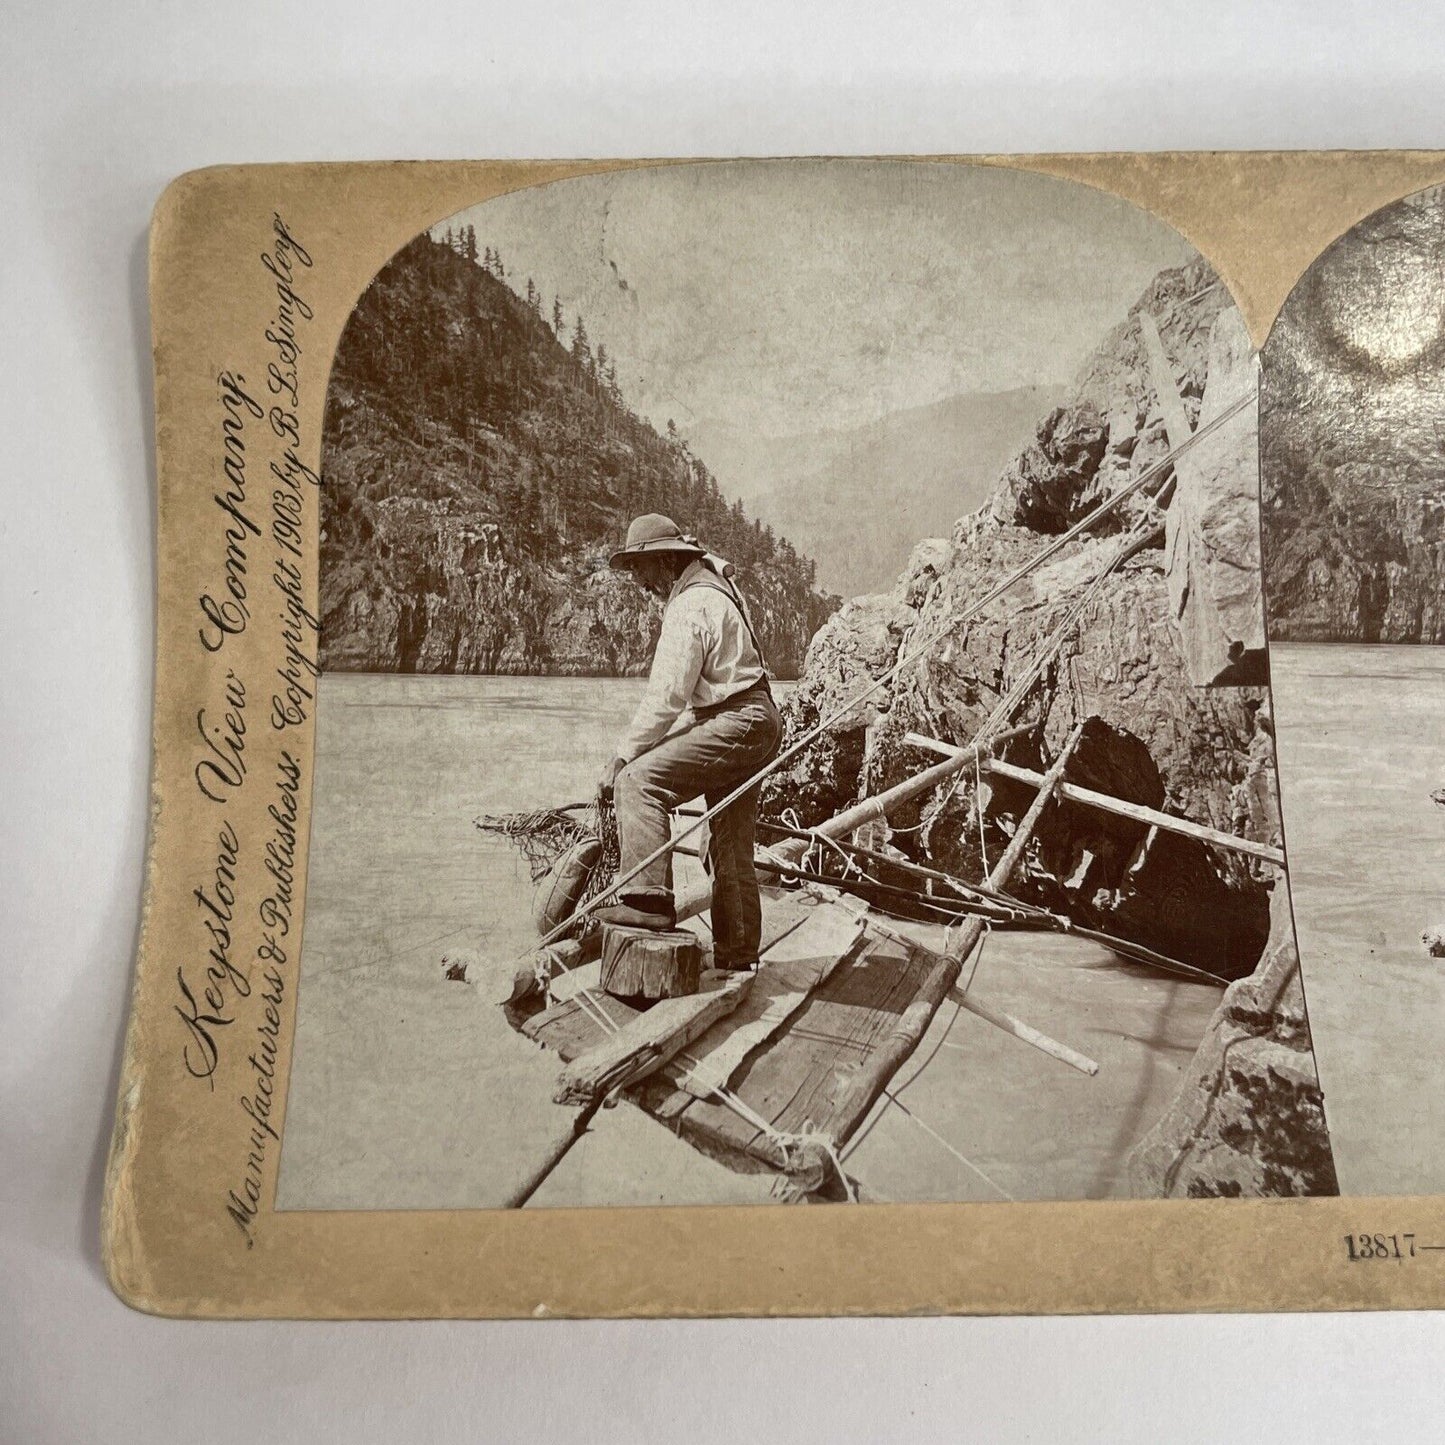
[(785, 297)]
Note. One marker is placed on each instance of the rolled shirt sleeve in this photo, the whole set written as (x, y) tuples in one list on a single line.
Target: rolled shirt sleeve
[(682, 650)]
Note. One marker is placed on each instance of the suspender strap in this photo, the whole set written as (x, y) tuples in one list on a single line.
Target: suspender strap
[(711, 579)]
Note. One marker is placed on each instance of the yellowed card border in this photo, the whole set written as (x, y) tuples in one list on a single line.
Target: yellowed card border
[(170, 1246)]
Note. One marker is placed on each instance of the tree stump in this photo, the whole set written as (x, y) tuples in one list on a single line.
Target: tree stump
[(648, 963)]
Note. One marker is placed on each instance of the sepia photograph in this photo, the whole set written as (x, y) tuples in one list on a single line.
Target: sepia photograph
[(794, 719)]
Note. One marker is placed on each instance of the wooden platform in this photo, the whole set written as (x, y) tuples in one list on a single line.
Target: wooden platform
[(829, 991)]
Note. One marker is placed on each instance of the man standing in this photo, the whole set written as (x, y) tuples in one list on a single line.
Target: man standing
[(707, 660)]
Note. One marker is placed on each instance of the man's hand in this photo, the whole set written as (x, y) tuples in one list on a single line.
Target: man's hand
[(609, 777)]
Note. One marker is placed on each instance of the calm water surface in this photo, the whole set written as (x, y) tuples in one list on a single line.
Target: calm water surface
[(1361, 743), (410, 1091)]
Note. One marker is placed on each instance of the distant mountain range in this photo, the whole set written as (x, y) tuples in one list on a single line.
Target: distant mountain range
[(857, 499)]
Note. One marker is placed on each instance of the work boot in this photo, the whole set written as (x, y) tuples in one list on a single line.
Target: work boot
[(737, 967), (639, 911)]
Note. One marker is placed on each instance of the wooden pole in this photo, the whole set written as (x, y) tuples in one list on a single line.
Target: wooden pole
[(1026, 1033), (643, 1045), (907, 1033), (1106, 804), (556, 1152)]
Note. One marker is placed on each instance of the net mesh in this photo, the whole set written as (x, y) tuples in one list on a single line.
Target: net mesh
[(543, 836)]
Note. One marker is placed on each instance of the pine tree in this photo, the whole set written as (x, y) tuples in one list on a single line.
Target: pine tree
[(534, 299), (580, 347), (469, 244), (557, 316)]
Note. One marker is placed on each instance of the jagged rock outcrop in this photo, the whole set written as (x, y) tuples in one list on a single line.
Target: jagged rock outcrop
[(1196, 751), (1249, 1118), (1161, 740), (477, 472), (1353, 437), (1248, 1121), (1111, 429)]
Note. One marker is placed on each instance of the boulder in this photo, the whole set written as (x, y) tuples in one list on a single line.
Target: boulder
[(1248, 1120), (1056, 480), (855, 647)]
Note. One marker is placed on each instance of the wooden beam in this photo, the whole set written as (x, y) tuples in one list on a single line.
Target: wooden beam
[(644, 1045), (1171, 404), (1152, 817)]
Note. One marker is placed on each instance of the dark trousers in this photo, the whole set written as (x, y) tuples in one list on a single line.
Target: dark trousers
[(723, 748)]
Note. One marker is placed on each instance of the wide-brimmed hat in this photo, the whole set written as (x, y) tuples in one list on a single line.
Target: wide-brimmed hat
[(653, 534)]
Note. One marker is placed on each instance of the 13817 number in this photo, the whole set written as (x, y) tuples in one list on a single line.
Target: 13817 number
[(1380, 1246)]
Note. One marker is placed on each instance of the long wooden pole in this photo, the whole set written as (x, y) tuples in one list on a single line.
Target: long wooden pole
[(1107, 804), (1028, 1034), (556, 1153)]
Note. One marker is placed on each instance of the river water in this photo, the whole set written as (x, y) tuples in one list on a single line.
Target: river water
[(409, 1090), (1360, 734)]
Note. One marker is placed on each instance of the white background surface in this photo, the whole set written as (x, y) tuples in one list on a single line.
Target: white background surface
[(102, 104)]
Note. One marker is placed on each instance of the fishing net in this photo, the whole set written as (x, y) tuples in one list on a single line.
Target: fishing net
[(543, 836)]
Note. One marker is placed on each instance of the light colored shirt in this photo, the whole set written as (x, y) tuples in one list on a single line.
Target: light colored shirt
[(704, 656)]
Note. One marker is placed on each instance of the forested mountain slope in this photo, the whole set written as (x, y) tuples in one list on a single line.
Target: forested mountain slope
[(477, 472)]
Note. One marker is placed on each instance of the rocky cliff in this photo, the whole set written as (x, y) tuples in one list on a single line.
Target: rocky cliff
[(1154, 667), (1161, 740), (477, 472), (1353, 437), (1249, 1121)]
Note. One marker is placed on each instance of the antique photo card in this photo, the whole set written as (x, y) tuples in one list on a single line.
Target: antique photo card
[(794, 736)]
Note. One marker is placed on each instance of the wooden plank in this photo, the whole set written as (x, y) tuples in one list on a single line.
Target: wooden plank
[(1171, 404), (1089, 798), (571, 1027), (789, 973), (650, 1039), (800, 1078), (789, 912)]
